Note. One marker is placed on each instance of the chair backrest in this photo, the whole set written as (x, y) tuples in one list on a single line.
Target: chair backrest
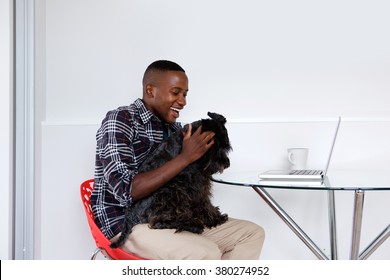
[(100, 239)]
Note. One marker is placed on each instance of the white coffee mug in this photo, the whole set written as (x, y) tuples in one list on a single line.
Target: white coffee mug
[(297, 157)]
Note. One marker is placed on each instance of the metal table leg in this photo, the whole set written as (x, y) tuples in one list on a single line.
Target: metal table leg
[(332, 225), (290, 222), (357, 224), (375, 243)]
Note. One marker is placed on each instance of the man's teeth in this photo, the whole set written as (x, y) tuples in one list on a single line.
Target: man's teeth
[(175, 109)]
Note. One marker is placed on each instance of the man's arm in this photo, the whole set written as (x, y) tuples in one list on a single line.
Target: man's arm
[(194, 146)]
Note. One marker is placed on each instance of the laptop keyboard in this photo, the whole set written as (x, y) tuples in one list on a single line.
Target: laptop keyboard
[(305, 172)]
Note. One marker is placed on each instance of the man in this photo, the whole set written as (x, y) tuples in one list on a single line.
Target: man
[(124, 140)]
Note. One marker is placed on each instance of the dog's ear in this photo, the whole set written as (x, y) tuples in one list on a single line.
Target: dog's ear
[(217, 117)]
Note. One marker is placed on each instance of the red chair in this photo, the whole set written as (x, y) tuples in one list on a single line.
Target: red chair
[(102, 243)]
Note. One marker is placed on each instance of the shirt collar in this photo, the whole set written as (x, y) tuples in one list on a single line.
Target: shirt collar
[(144, 113)]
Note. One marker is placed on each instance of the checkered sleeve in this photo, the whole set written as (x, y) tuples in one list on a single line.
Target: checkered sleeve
[(117, 163)]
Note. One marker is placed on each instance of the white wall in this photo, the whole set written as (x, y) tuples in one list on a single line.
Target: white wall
[(6, 127), (276, 64), (242, 57)]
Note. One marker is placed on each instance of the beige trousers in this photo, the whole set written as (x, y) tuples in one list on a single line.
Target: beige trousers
[(235, 240)]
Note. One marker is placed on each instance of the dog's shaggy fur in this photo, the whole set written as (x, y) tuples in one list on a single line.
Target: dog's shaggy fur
[(184, 203)]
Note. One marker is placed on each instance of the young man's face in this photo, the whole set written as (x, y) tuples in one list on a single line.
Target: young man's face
[(166, 95)]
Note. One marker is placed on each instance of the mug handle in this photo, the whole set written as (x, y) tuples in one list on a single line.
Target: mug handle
[(290, 157)]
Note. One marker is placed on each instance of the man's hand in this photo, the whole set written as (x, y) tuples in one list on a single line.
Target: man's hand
[(196, 145)]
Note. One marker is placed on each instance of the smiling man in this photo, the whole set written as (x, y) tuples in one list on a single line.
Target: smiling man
[(126, 137)]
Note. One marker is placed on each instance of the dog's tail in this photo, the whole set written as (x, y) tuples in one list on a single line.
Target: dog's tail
[(122, 238), (127, 229)]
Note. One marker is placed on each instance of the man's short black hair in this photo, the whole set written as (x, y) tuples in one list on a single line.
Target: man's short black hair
[(164, 65), (160, 66)]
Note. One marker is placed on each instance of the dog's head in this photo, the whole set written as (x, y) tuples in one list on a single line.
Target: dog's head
[(216, 158)]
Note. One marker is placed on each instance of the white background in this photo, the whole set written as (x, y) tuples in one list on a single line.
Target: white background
[(280, 71), (244, 58)]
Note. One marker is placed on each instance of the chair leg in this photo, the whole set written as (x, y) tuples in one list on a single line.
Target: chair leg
[(94, 254), (100, 250)]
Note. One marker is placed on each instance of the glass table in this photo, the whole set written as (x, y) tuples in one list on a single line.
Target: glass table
[(358, 182)]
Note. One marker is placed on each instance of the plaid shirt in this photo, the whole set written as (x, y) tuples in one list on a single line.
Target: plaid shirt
[(124, 140)]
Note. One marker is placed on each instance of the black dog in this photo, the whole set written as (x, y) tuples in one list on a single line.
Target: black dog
[(184, 202)]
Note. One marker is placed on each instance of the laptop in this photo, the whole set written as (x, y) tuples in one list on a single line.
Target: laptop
[(301, 174)]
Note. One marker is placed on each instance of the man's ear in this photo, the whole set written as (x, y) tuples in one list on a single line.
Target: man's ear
[(149, 90)]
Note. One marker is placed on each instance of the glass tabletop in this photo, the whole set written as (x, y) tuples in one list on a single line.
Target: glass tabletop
[(335, 180)]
